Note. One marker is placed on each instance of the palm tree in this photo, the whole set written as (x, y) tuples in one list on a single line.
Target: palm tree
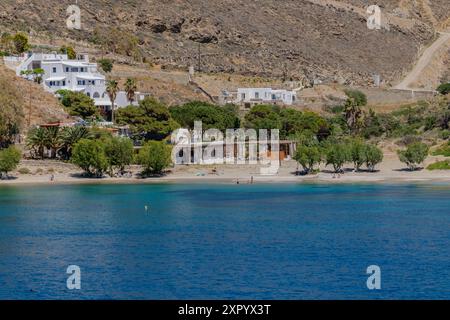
[(111, 88), (53, 140), (37, 141), (130, 89), (353, 114), (70, 136)]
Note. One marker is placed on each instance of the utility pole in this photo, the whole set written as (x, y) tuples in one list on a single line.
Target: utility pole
[(199, 67)]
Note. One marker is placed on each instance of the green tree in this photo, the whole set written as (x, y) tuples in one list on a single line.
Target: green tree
[(353, 115), (119, 152), (21, 44), (264, 117), (155, 156), (374, 156), (9, 160), (90, 156), (414, 155), (337, 154), (70, 136), (112, 87), (78, 104), (37, 75), (70, 51), (358, 153), (308, 157), (106, 65), (53, 140), (130, 89), (294, 121), (210, 115), (151, 120), (42, 138), (37, 142)]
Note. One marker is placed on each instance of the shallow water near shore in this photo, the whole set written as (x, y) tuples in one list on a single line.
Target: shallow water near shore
[(215, 241)]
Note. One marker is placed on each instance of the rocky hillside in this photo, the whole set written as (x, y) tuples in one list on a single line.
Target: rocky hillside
[(312, 39), (37, 106)]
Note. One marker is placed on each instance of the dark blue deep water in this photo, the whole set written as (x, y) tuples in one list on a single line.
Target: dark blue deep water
[(225, 241)]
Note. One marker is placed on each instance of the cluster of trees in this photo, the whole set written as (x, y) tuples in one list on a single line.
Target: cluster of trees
[(288, 121), (97, 156), (57, 141), (311, 153), (113, 154), (96, 151)]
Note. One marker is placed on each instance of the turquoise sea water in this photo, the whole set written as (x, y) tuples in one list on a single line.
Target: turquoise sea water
[(225, 241)]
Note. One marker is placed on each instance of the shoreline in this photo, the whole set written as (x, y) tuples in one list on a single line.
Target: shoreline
[(391, 171), (321, 178)]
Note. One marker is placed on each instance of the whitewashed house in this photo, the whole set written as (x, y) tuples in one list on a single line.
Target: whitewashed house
[(61, 73), (249, 97)]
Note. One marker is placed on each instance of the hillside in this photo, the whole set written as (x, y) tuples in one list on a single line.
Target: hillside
[(312, 39), (38, 106)]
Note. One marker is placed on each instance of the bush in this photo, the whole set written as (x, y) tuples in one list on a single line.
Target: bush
[(359, 97), (414, 155), (444, 88), (106, 65), (70, 51), (9, 160), (445, 134), (440, 165), (90, 156), (24, 171), (155, 156), (444, 150)]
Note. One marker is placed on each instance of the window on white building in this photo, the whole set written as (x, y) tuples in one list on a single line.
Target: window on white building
[(54, 69), (256, 95)]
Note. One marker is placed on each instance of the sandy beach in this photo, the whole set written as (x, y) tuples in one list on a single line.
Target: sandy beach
[(391, 170)]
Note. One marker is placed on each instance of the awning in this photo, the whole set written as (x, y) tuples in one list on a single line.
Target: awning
[(76, 64), (88, 77), (102, 102), (56, 79)]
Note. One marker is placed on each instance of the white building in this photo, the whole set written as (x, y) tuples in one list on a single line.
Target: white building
[(78, 75), (61, 73), (253, 96)]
